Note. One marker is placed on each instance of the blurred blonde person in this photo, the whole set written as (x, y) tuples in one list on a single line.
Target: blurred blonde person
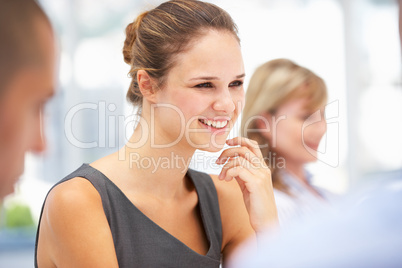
[(284, 113)]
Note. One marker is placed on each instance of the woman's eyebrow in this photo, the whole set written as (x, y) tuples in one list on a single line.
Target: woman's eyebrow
[(205, 78), (215, 77)]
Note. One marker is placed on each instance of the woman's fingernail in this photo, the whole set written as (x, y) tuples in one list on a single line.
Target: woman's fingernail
[(223, 160)]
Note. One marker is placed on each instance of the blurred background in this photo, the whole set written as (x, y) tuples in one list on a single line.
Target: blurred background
[(352, 44)]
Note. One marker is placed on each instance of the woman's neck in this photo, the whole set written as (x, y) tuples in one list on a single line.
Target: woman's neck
[(297, 170), (158, 165)]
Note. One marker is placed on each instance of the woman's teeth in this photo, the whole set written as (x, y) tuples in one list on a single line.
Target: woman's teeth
[(214, 124)]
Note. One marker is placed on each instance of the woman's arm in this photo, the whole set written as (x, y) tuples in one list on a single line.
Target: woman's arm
[(74, 231), (248, 206), (236, 226)]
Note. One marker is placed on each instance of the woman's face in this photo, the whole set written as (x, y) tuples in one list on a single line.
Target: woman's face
[(296, 132), (203, 94)]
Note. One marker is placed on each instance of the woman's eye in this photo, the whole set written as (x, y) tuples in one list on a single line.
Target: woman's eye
[(236, 84), (204, 85)]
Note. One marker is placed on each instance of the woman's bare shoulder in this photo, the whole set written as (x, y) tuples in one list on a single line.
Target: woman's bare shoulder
[(226, 189), (74, 192), (230, 198), (235, 219), (73, 218)]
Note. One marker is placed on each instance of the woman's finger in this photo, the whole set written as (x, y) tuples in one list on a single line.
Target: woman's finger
[(252, 145), (238, 172), (234, 162), (254, 181), (239, 152)]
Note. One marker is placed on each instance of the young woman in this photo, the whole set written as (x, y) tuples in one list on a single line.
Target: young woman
[(126, 210), (284, 113)]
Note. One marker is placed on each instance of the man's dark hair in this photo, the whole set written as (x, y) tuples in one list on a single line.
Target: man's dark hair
[(18, 37)]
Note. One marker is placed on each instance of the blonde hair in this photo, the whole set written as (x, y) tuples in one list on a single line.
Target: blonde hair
[(157, 36), (273, 84)]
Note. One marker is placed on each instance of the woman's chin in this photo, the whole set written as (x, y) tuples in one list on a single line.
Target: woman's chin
[(212, 148), (213, 145), (311, 159)]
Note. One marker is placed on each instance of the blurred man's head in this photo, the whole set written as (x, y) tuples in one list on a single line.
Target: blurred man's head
[(26, 82), (400, 21)]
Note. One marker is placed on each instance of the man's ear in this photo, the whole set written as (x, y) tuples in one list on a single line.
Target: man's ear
[(146, 85), (264, 123)]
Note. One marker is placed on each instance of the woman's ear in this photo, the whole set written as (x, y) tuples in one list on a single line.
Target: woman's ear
[(263, 124), (146, 85)]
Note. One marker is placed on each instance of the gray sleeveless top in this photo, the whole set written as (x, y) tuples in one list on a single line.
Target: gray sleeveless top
[(138, 241)]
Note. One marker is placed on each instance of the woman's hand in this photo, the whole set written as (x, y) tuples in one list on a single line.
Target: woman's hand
[(246, 165)]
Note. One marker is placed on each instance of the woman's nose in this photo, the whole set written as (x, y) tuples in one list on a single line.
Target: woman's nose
[(316, 125), (224, 102)]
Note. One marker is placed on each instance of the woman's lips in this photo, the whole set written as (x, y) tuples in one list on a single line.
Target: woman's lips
[(312, 146), (217, 124)]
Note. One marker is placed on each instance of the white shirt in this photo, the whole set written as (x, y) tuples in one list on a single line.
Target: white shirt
[(302, 201)]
